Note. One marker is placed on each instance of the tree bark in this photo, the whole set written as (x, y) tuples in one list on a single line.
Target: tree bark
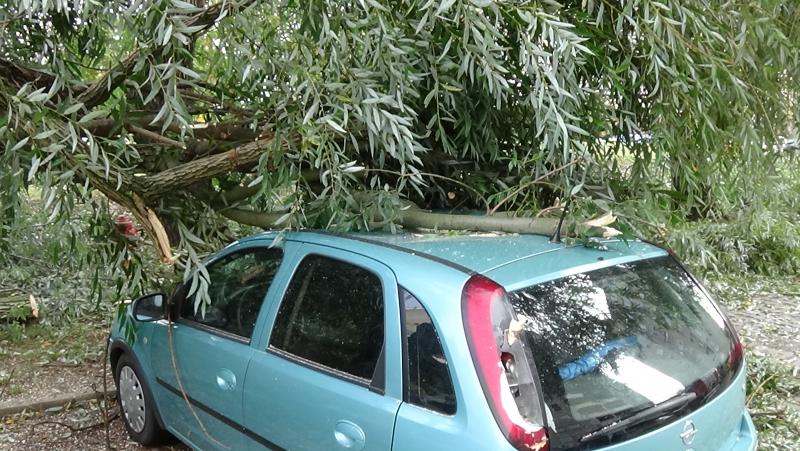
[(100, 90), (187, 174), (421, 219)]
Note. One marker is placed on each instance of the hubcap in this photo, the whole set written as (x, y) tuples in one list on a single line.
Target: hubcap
[(132, 398)]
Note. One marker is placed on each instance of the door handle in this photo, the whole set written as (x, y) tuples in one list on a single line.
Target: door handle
[(226, 380), (349, 435)]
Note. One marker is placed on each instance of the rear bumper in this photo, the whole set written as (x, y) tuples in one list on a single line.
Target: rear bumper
[(748, 437)]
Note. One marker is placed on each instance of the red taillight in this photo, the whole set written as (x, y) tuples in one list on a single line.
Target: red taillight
[(736, 354), (486, 317)]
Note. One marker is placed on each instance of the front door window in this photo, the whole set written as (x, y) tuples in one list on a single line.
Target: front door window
[(238, 285)]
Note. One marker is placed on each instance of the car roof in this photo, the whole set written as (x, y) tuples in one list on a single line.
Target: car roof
[(513, 260)]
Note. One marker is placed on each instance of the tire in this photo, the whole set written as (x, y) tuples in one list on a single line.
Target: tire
[(137, 409)]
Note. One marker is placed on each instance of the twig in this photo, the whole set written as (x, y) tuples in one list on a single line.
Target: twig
[(154, 136), (769, 413), (758, 388), (106, 419), (543, 211), (60, 365), (171, 342), (8, 382), (71, 427), (532, 182)]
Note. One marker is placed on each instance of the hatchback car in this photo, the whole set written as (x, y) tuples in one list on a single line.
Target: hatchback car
[(431, 341)]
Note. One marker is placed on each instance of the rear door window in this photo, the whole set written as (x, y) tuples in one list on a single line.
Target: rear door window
[(428, 381), (332, 315)]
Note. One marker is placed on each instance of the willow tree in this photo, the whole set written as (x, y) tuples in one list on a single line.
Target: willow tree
[(364, 114)]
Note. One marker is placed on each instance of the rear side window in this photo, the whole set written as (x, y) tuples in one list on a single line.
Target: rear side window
[(332, 315), (238, 285), (428, 383)]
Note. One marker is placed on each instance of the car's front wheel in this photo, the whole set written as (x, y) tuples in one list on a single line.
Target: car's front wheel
[(136, 403)]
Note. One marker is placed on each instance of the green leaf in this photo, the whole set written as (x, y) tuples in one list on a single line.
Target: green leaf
[(92, 115), (73, 108)]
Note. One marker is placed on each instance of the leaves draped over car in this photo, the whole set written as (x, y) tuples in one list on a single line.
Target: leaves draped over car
[(198, 116)]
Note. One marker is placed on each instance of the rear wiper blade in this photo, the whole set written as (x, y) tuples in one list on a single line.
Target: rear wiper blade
[(657, 410)]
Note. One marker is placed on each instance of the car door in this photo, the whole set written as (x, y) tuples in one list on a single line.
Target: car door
[(212, 348), (328, 375)]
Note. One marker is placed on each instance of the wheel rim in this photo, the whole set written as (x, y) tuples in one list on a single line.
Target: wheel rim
[(131, 397)]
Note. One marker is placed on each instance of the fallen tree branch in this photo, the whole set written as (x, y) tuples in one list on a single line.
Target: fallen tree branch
[(187, 174), (56, 401), (235, 194), (99, 91), (421, 219), (94, 93), (18, 75), (773, 413), (209, 16), (415, 218), (239, 193), (135, 204)]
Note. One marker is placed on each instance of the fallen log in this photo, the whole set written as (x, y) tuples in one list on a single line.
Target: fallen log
[(16, 306)]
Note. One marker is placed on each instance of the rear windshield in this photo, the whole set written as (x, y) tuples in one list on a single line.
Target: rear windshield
[(613, 342)]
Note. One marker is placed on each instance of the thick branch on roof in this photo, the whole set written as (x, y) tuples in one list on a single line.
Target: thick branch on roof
[(414, 218), (420, 219)]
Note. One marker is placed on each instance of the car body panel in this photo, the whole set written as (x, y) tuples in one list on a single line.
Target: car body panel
[(478, 252), (212, 370), (567, 261), (318, 408), (490, 253), (284, 404)]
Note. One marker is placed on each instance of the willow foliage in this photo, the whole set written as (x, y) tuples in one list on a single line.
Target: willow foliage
[(333, 113)]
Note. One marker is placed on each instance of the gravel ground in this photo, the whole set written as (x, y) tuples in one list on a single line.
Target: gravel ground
[(48, 380), (770, 325)]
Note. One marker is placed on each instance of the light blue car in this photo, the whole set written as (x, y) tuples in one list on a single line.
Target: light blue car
[(435, 342)]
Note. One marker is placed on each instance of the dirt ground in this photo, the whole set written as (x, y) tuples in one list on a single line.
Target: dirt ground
[(43, 365), (768, 323), (79, 427)]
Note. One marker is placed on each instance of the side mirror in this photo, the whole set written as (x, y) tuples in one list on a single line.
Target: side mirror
[(149, 308)]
